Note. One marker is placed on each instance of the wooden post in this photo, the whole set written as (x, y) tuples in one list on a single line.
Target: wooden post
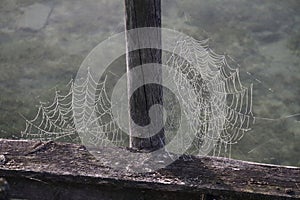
[(144, 13)]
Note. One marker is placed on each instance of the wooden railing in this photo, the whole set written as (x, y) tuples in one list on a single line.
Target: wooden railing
[(38, 170)]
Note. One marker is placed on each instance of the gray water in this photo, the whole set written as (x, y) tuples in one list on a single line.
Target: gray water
[(43, 42)]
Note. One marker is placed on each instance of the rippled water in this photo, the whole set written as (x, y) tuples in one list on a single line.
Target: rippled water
[(43, 42)]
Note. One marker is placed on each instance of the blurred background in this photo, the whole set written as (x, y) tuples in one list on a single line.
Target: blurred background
[(43, 42)]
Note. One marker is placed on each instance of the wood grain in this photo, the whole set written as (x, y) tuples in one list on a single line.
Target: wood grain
[(69, 171)]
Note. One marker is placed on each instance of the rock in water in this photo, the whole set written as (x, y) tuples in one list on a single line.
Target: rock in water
[(35, 17)]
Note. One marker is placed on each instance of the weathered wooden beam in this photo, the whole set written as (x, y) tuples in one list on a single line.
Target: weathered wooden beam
[(38, 170), (138, 14), (3, 189)]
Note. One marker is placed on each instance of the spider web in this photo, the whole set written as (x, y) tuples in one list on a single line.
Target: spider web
[(220, 110), (53, 121), (57, 120), (218, 107)]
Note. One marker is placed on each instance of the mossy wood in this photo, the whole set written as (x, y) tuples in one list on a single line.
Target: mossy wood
[(49, 170)]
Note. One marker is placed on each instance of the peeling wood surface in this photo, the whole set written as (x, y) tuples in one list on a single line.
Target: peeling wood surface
[(48, 170)]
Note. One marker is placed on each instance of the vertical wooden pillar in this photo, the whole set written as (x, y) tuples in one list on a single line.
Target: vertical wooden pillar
[(144, 13)]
